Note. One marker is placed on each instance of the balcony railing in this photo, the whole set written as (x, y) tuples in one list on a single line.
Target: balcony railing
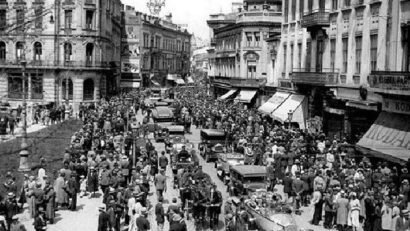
[(313, 77), (389, 80), (260, 16), (319, 18), (53, 64), (240, 82)]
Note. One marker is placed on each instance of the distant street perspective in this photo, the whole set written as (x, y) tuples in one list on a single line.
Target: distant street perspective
[(197, 115)]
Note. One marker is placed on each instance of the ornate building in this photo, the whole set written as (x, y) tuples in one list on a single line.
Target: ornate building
[(59, 50), (155, 48), (239, 58)]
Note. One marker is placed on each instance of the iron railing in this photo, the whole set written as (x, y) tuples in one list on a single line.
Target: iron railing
[(316, 18), (311, 76)]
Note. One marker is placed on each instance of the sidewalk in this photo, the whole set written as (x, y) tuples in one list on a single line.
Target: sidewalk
[(19, 130)]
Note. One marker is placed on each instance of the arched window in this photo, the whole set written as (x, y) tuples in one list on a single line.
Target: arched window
[(88, 89), (38, 51), (2, 51), (89, 50), (20, 51), (68, 51), (64, 89)]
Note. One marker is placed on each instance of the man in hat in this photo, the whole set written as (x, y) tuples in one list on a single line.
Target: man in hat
[(177, 224), (16, 225), (403, 223), (92, 181), (163, 161), (103, 219), (160, 183), (160, 215), (40, 222), (142, 221), (11, 208), (215, 200), (72, 190)]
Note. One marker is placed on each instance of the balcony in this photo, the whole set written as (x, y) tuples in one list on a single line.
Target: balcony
[(315, 19), (260, 16), (48, 64), (392, 82), (327, 77), (239, 82)]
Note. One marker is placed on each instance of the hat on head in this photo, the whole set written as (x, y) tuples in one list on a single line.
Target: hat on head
[(101, 208), (143, 210), (10, 194), (176, 217), (15, 217), (405, 212)]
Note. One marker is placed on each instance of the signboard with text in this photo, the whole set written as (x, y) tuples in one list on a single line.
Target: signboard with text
[(396, 106)]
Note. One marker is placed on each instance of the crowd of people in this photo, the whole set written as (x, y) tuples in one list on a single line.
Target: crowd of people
[(318, 171)]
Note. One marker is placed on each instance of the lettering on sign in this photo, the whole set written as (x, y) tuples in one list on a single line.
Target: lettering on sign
[(389, 136), (394, 82), (396, 106)]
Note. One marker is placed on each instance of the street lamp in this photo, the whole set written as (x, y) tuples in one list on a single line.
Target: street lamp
[(24, 153), (290, 116)]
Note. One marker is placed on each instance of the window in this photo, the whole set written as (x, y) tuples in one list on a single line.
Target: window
[(284, 57), (20, 51), (257, 39), (300, 55), (64, 89), (251, 69), (347, 3), (373, 52), (301, 7), (286, 12), (291, 58), (332, 53), (146, 40), (152, 44), (16, 85), (345, 50), (346, 18), (359, 14), (308, 54), (158, 42), (3, 20), (375, 11), (38, 51), (88, 89), (20, 19), (310, 6), (2, 52), (358, 53), (38, 23), (322, 5), (406, 50), (249, 39), (68, 20), (89, 50), (293, 10), (334, 4), (89, 17), (36, 86), (319, 54), (68, 52)]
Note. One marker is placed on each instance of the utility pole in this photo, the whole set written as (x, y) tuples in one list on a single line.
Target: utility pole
[(24, 153)]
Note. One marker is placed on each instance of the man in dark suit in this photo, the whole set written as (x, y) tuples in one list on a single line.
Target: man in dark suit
[(287, 187), (103, 219), (403, 223), (297, 190), (177, 224)]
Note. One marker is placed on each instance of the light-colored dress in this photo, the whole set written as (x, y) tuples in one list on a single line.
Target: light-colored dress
[(387, 213), (354, 213)]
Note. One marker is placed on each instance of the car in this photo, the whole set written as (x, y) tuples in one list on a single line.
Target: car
[(149, 103), (162, 114), (161, 134), (246, 179), (178, 163), (225, 161), (176, 134), (212, 143)]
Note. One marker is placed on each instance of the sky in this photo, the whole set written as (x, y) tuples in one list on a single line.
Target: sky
[(193, 13)]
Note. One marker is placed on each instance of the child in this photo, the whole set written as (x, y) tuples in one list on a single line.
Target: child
[(83, 186)]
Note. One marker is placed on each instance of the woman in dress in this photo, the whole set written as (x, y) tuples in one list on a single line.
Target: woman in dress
[(355, 207)]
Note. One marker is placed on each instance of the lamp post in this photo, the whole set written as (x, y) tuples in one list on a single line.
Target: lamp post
[(290, 116), (24, 153)]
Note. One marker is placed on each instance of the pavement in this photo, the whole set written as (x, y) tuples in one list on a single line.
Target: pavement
[(19, 130), (86, 216)]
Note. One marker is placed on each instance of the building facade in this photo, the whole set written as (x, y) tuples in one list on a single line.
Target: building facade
[(59, 50), (239, 59), (350, 60), (158, 48)]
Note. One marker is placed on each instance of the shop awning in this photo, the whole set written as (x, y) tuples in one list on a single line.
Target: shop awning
[(190, 80), (155, 82), (245, 96), (388, 137), (273, 103), (228, 94), (295, 103), (171, 77), (180, 81)]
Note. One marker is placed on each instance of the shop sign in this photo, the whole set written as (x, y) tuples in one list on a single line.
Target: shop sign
[(396, 106), (391, 82)]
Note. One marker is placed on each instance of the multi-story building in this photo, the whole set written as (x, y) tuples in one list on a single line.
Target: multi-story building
[(59, 50), (152, 49), (240, 58), (347, 63)]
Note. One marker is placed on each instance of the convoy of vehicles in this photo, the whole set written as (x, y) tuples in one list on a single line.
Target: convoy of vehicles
[(224, 163), (247, 178)]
